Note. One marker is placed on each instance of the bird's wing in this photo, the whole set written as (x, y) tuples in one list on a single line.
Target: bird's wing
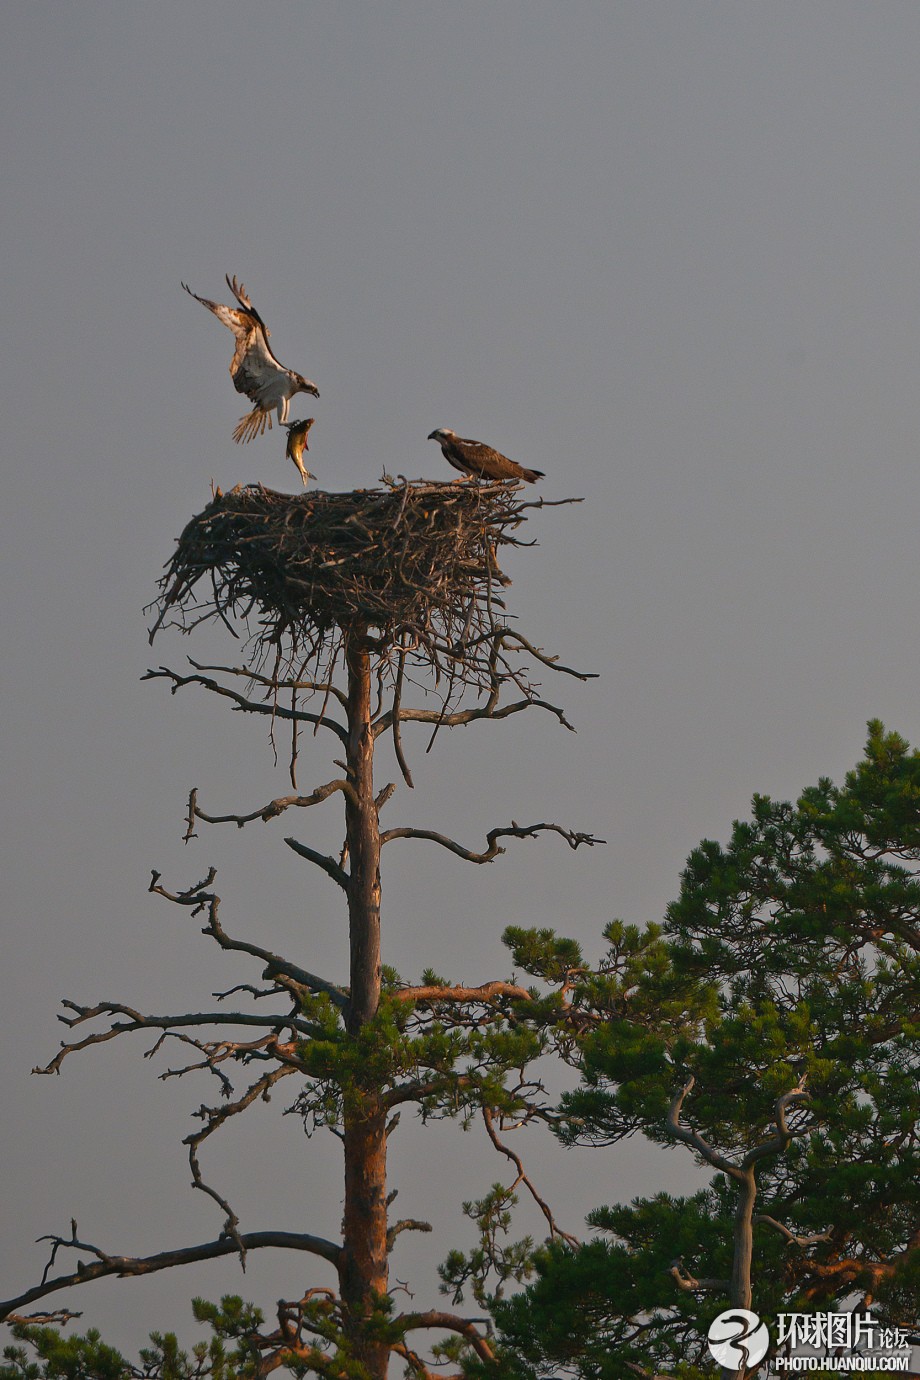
[(240, 322), (454, 456), (484, 460), (257, 373), (242, 296), (254, 369), (475, 450)]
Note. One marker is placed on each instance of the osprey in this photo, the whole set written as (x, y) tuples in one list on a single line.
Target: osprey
[(479, 461), (254, 369), (297, 444)]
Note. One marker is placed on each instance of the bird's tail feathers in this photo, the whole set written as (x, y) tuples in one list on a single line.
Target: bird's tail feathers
[(252, 425), (532, 475)]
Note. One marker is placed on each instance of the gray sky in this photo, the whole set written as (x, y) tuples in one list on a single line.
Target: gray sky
[(664, 252)]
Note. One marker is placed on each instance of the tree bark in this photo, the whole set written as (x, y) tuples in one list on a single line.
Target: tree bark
[(741, 1287), (363, 1271), (362, 835), (741, 1291)]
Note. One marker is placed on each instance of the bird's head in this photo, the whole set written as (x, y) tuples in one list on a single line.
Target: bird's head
[(305, 386), (441, 433)]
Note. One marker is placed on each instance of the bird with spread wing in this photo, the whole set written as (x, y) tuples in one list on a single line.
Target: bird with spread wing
[(254, 369), (478, 461)]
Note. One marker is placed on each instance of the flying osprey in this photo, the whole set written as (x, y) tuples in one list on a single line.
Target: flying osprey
[(254, 369), (297, 444), (479, 461)]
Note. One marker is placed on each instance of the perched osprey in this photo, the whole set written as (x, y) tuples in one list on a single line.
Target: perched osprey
[(297, 444), (479, 461), (254, 369)]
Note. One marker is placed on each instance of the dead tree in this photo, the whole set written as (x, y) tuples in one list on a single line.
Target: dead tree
[(345, 600)]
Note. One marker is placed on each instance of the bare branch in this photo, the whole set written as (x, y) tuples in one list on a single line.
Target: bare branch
[(136, 1021), (125, 1267), (276, 968), (493, 850), (777, 1144), (689, 1285), (60, 1317), (397, 700), (274, 683), (317, 1311), (693, 1138), (642, 1373), (415, 1092), (405, 1224), (273, 808), (449, 1322), (484, 993), (803, 1241), (508, 636), (468, 716), (215, 1117), (322, 861), (774, 1146), (273, 711), (522, 1178)]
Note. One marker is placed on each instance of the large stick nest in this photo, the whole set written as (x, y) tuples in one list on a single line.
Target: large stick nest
[(416, 563)]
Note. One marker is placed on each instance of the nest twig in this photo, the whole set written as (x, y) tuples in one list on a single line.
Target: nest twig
[(413, 567)]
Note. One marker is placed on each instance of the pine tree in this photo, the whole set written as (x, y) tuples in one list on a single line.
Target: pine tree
[(772, 1030)]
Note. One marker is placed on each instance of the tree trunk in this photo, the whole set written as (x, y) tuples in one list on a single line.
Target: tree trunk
[(363, 840), (741, 1289), (742, 1255), (363, 1275)]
